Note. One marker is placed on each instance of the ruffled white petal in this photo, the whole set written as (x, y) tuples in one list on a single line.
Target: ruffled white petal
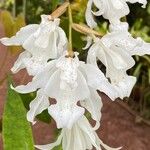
[(53, 43), (89, 16), (116, 56), (62, 41), (30, 87), (94, 139), (97, 80), (113, 10), (124, 87), (99, 4), (34, 65), (122, 26), (82, 90), (93, 104), (92, 54), (39, 81), (20, 36), (54, 90), (89, 42), (124, 40), (40, 103), (42, 41), (141, 49), (19, 64), (65, 113)]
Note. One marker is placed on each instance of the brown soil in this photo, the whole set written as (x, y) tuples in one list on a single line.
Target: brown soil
[(118, 127)]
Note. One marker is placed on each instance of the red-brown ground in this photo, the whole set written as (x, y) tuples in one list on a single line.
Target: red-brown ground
[(118, 127)]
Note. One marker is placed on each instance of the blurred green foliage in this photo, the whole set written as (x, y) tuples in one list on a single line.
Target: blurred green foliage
[(139, 20)]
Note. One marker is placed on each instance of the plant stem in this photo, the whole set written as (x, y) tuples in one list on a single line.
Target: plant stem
[(14, 9), (70, 47), (24, 8)]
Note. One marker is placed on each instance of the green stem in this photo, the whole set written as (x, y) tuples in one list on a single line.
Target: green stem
[(14, 9), (70, 47), (24, 8)]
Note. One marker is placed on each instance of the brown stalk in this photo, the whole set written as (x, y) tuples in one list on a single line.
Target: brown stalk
[(60, 10), (85, 30)]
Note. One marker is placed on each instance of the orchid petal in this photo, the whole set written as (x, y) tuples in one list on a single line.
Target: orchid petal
[(121, 59), (86, 127), (80, 92), (125, 86), (142, 49), (97, 80), (42, 41), (93, 105), (91, 57), (65, 115), (30, 87), (53, 43), (34, 66), (18, 65), (20, 36), (89, 42), (89, 17), (99, 5), (40, 103), (39, 81), (62, 44)]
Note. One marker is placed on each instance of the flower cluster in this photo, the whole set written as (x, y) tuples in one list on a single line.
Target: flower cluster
[(116, 48), (74, 83)]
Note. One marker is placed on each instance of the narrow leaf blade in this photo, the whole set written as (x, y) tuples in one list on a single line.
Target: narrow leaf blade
[(17, 133)]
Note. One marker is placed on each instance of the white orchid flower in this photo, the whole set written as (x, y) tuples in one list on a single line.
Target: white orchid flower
[(115, 51), (117, 61), (113, 10), (122, 38), (41, 42), (69, 80), (80, 137)]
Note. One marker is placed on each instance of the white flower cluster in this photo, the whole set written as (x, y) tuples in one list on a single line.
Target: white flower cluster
[(73, 83), (116, 48)]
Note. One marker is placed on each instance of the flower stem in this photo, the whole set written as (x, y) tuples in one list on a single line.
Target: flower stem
[(70, 47), (59, 11)]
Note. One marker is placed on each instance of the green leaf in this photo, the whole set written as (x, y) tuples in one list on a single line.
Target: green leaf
[(17, 133), (58, 147), (0, 125), (55, 3), (137, 70)]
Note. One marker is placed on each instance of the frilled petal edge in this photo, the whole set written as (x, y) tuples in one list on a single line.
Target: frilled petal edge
[(40, 103)]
